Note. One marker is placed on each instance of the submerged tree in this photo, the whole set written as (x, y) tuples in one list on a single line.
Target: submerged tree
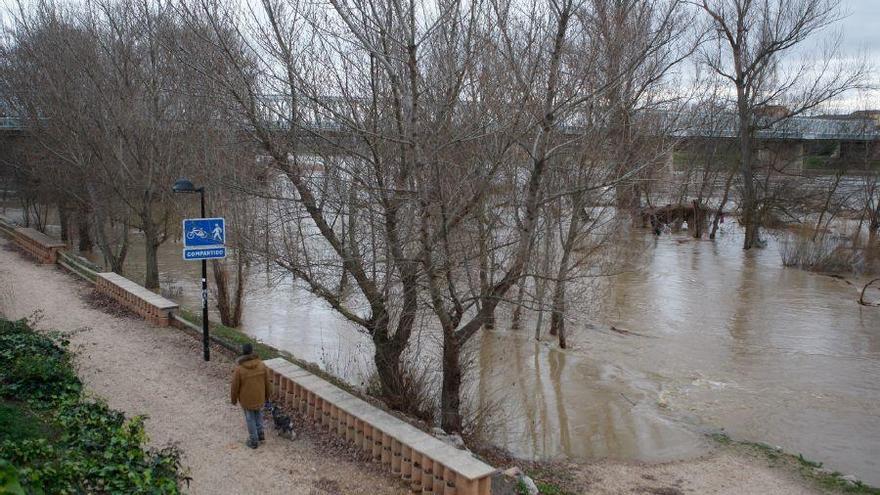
[(750, 43)]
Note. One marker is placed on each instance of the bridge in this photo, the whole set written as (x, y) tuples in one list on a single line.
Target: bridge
[(327, 126)]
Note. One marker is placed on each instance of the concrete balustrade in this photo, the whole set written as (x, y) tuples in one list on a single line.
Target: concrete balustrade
[(149, 305), (427, 464), (42, 247)]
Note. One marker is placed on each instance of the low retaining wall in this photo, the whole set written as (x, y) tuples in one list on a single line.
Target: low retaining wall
[(37, 244), (429, 465), (7, 226), (152, 307)]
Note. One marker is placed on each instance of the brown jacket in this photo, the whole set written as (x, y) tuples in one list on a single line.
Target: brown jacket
[(250, 383)]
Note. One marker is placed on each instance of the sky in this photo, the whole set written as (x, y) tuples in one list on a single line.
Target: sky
[(861, 28), (860, 31)]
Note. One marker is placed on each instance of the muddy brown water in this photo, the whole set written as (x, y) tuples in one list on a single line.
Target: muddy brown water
[(711, 337)]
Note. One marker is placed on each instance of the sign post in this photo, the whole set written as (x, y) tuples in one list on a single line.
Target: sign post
[(204, 239)]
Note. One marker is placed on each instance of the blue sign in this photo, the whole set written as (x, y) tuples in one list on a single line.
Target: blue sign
[(204, 238), (204, 253), (201, 232)]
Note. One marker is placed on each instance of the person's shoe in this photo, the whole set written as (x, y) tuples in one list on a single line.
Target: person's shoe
[(252, 444), (262, 437)]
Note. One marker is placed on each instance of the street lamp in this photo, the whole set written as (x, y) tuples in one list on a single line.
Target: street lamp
[(186, 186)]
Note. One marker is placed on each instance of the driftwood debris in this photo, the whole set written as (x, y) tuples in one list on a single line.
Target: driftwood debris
[(674, 215), (865, 289)]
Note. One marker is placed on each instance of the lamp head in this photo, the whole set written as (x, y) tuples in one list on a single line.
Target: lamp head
[(183, 185)]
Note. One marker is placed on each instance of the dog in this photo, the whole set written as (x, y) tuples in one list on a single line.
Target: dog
[(283, 423)]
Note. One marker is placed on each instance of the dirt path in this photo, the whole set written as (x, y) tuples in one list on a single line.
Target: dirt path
[(141, 369), (720, 473)]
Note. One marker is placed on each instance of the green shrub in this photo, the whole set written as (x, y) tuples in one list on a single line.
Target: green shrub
[(17, 422), (35, 368), (9, 479), (96, 450)]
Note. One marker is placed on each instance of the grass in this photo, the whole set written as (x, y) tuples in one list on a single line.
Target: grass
[(551, 489), (814, 162), (826, 163), (811, 470), (551, 481)]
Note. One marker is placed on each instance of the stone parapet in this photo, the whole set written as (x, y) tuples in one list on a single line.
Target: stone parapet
[(429, 465), (42, 247), (151, 306)]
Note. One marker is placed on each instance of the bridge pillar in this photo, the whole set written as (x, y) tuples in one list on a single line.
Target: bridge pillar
[(782, 155)]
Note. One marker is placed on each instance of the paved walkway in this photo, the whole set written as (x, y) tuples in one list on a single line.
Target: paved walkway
[(141, 369)]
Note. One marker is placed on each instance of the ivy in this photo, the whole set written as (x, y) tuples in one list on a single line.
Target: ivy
[(96, 450)]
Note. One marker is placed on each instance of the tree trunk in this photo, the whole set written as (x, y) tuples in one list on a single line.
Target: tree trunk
[(84, 232), (242, 270), (387, 358), (557, 316), (516, 318), (697, 227), (64, 220), (229, 301), (749, 200), (485, 266), (720, 212), (875, 219), (151, 248), (221, 284), (489, 324), (450, 394), (151, 274), (541, 285), (115, 258)]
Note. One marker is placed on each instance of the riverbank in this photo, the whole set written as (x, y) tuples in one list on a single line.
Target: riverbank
[(158, 371)]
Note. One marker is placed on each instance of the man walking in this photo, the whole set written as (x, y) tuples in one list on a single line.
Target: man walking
[(251, 387)]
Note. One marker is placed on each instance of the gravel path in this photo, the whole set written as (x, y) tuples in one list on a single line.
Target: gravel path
[(141, 369)]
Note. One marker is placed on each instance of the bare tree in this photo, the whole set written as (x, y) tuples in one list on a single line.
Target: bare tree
[(751, 39)]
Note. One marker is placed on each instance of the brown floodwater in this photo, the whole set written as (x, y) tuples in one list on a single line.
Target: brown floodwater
[(711, 337)]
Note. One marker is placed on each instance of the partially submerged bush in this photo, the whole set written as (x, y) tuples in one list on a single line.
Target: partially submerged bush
[(826, 254), (97, 450)]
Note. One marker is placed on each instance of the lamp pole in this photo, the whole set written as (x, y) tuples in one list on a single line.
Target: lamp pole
[(185, 186), (205, 340)]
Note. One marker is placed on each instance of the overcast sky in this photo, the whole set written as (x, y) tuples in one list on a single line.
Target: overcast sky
[(860, 36), (860, 29)]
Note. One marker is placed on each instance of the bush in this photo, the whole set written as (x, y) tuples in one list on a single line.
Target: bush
[(35, 368), (826, 254), (97, 450)]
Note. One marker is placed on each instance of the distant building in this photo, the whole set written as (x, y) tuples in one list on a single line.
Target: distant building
[(868, 115), (773, 111)]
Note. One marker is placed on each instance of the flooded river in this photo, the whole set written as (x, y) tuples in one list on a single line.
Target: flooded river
[(709, 336)]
